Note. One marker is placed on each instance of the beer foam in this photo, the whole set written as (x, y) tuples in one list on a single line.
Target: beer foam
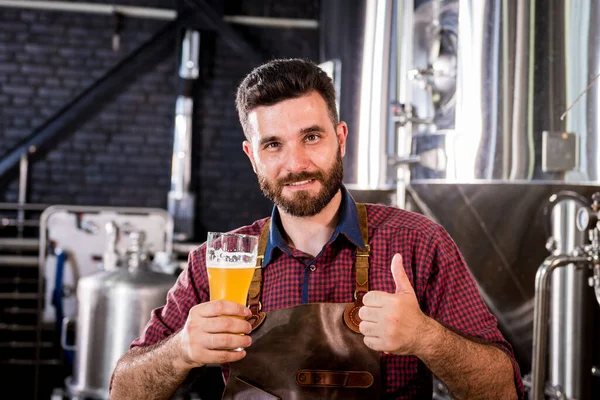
[(224, 265), (235, 259)]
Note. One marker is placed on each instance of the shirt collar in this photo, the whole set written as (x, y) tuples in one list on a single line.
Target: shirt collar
[(348, 225)]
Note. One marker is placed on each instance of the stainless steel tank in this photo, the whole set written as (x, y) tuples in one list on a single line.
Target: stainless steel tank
[(113, 309), (480, 145)]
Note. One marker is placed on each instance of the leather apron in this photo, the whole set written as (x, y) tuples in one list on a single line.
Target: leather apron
[(309, 351)]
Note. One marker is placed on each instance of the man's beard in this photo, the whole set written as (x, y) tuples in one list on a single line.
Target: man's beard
[(301, 203)]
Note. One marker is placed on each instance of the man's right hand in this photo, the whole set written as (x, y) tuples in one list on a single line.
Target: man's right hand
[(211, 329)]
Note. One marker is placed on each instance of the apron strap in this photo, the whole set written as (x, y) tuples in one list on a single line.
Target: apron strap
[(362, 255), (256, 284), (351, 317)]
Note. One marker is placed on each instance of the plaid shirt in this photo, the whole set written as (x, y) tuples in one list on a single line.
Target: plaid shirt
[(443, 284)]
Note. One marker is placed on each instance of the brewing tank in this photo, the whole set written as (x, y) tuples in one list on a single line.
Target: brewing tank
[(478, 118), (113, 309)]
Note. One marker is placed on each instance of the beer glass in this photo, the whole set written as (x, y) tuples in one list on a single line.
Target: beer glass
[(230, 264)]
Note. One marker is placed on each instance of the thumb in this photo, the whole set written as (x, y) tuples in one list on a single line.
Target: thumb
[(400, 279)]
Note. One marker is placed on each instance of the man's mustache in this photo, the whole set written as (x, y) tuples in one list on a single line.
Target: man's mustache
[(300, 176)]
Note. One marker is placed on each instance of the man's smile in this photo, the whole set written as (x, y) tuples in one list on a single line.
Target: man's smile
[(300, 184)]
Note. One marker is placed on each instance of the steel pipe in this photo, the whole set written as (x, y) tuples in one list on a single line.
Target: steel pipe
[(25, 206), (19, 296), (93, 8), (269, 22), (19, 244), (19, 261), (155, 13), (540, 317)]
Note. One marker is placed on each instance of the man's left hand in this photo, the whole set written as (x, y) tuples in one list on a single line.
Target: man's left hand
[(394, 322)]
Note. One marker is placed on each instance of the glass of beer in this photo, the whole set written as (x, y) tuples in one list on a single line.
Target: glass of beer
[(230, 263)]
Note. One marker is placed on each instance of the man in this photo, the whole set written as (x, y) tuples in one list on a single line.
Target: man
[(422, 312)]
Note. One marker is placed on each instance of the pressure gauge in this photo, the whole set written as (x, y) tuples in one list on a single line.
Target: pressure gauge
[(586, 219)]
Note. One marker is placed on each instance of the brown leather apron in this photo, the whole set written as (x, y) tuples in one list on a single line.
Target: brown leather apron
[(310, 351)]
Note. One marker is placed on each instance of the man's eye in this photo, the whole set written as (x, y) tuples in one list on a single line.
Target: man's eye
[(272, 145), (311, 137)]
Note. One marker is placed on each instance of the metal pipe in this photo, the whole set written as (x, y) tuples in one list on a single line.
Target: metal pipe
[(522, 162), (577, 330), (404, 59), (23, 174), (28, 206), (19, 261), (540, 317), (374, 107), (19, 244), (567, 238), (268, 22), (506, 89), (93, 8), (19, 296), (181, 202), (155, 13)]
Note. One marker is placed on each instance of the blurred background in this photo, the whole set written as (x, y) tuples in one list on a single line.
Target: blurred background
[(120, 148)]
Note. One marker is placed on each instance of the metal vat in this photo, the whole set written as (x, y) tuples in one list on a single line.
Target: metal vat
[(113, 309)]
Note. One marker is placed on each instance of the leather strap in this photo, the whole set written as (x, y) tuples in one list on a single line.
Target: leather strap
[(254, 304), (362, 255), (351, 317), (343, 379)]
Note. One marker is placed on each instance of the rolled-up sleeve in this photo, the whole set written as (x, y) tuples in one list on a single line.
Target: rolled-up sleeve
[(453, 299)]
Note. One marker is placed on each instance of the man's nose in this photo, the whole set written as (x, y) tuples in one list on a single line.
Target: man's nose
[(297, 159)]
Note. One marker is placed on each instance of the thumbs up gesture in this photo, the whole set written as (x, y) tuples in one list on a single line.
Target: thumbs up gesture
[(393, 322)]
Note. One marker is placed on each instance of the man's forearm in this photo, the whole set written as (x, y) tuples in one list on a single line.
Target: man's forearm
[(470, 370), (153, 372)]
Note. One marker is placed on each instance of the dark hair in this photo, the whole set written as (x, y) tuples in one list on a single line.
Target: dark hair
[(280, 80)]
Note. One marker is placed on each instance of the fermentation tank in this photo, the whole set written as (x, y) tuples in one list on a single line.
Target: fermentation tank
[(113, 309), (470, 134)]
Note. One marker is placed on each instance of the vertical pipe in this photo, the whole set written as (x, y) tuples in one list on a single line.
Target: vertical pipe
[(404, 63), (522, 145), (374, 97), (181, 201), (471, 91), (576, 311), (567, 302), (507, 49), (23, 174), (540, 318), (560, 222)]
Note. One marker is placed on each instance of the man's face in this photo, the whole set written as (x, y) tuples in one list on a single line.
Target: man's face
[(297, 153)]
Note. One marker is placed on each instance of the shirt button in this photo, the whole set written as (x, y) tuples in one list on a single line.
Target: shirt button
[(312, 268)]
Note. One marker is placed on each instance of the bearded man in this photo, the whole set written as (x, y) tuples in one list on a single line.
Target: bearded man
[(358, 301)]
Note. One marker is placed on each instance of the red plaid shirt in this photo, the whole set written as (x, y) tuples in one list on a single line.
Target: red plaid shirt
[(443, 284)]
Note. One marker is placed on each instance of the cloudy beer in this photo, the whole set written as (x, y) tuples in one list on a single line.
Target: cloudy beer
[(230, 265), (230, 281)]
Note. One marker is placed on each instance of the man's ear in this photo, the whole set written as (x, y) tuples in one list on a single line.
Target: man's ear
[(247, 147), (341, 131)]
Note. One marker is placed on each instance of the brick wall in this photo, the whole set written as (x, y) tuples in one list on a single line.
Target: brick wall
[(121, 157)]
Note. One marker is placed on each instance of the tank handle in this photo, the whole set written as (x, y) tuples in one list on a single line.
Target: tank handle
[(63, 333)]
